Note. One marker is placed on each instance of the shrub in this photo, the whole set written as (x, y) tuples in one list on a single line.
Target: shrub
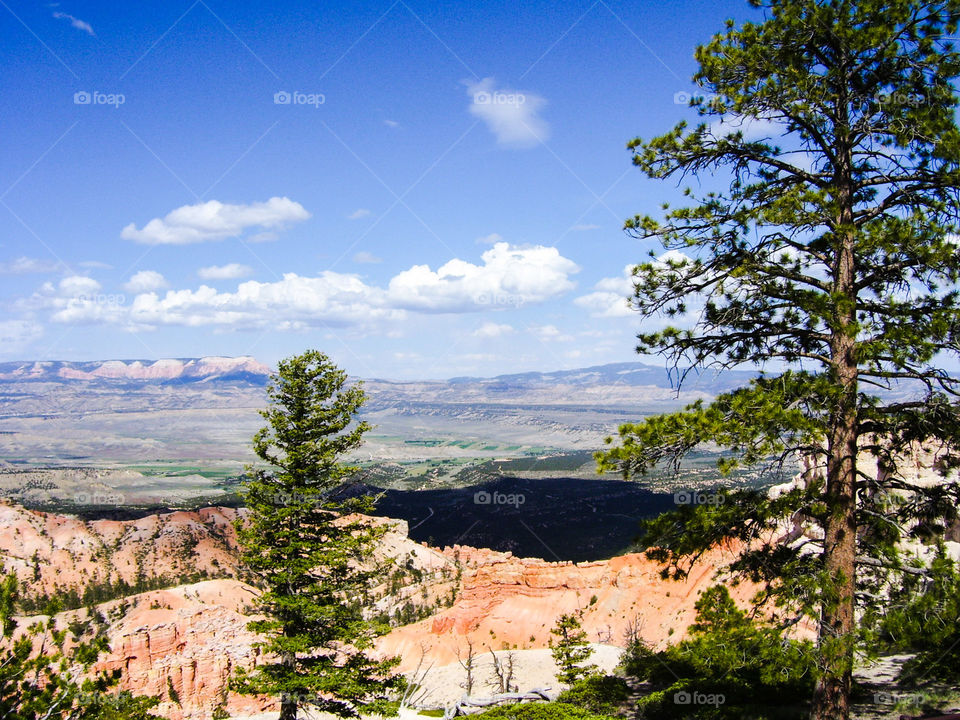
[(603, 694), (924, 617), (729, 667), (540, 711)]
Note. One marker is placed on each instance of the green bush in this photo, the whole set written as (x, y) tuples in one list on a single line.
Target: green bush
[(540, 711), (729, 667), (924, 617), (603, 694)]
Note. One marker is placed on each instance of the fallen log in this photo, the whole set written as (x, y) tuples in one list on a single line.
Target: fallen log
[(460, 707)]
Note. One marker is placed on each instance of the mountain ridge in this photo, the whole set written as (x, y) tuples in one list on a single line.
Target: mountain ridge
[(248, 369), (202, 369)]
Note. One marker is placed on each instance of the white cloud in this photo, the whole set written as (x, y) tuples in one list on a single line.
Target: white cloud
[(509, 277), (491, 239), (15, 335), (95, 264), (610, 296), (391, 123), (671, 256), (367, 258), (584, 226), (292, 303), (77, 299), (26, 265), (214, 220), (752, 128), (550, 333), (145, 281), (76, 23), (358, 213), (510, 115), (231, 271), (78, 285), (492, 330)]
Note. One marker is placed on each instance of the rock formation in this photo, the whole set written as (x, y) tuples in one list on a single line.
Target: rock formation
[(188, 639)]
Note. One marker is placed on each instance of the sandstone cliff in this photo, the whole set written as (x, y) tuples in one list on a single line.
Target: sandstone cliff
[(188, 639)]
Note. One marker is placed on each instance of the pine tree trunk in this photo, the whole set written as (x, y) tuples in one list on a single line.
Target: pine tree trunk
[(831, 697), (288, 709), (288, 703)]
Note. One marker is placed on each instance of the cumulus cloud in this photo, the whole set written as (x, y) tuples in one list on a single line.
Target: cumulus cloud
[(76, 299), (491, 239), (26, 265), (510, 115), (76, 23), (509, 277), (492, 330), (214, 220), (78, 285), (550, 333), (358, 213), (231, 271), (366, 258), (145, 281), (294, 302), (610, 296), (753, 128)]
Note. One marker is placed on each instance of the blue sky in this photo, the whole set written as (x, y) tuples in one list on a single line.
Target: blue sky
[(421, 190)]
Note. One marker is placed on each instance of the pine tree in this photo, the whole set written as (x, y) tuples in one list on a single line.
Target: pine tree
[(41, 679), (832, 254), (309, 554), (571, 649)]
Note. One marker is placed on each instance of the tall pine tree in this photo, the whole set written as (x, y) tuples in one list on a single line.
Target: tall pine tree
[(832, 254), (312, 561)]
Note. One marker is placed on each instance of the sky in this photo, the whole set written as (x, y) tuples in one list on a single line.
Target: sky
[(420, 190)]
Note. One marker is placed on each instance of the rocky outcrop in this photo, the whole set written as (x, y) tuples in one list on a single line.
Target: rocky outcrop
[(181, 644), (507, 602), (51, 553)]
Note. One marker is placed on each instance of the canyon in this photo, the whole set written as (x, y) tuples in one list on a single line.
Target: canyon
[(190, 637)]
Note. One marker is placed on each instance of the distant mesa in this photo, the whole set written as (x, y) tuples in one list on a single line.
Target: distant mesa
[(575, 385), (207, 369)]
